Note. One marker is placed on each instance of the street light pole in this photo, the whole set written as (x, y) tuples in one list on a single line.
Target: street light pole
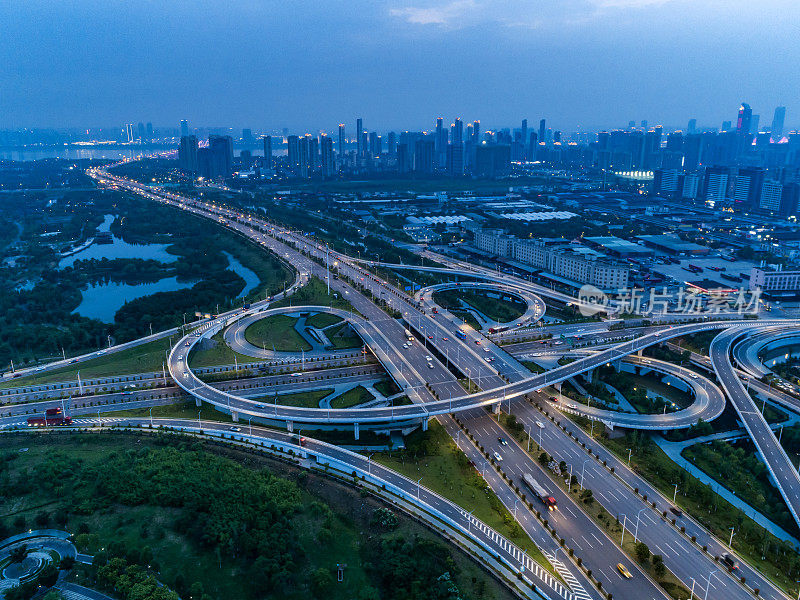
[(708, 585), (583, 468), (730, 541), (418, 487), (636, 532), (674, 495)]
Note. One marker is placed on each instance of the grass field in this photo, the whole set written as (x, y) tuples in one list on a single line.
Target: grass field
[(182, 410), (321, 320), (147, 357), (354, 397), (278, 333), (496, 309), (221, 354), (343, 338)]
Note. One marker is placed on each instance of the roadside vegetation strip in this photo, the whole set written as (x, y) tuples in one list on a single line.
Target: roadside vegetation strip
[(218, 354), (774, 558), (354, 397), (147, 357), (434, 456), (495, 309), (277, 332)]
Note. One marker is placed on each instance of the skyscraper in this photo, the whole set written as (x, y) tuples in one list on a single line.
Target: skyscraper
[(293, 153), (184, 128), (341, 148), (221, 155), (777, 123), (423, 155), (149, 131), (692, 126), (392, 143), (524, 137), (361, 148), (744, 120), (476, 132), (247, 137), (303, 152), (455, 160), (326, 156), (187, 154), (542, 130), (268, 152), (457, 136), (440, 142)]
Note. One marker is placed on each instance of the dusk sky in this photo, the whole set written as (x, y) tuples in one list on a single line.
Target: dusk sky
[(582, 64)]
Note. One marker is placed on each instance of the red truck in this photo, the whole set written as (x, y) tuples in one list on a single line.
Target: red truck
[(53, 417)]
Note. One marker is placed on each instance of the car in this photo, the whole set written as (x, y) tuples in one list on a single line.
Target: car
[(497, 457), (540, 425), (487, 359), (478, 342), (624, 571), (236, 428), (729, 561), (430, 365), (502, 441), (553, 399), (295, 375), (405, 345), (676, 511), (444, 339), (430, 337), (487, 349), (695, 376), (73, 361), (428, 358)]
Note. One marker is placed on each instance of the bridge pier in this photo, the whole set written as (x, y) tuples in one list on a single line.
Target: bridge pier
[(640, 352), (198, 402), (557, 386), (355, 430), (235, 416), (425, 425), (617, 364), (496, 408), (289, 426)]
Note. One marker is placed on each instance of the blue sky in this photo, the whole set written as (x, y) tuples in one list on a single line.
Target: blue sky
[(582, 64)]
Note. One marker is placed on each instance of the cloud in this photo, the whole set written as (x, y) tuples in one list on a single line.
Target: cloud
[(447, 15)]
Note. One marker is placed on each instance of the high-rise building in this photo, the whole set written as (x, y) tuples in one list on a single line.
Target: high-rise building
[(187, 154), (790, 200), (770, 197), (476, 132), (268, 152), (375, 145), (149, 131), (777, 123), (391, 143), (744, 121), (184, 128), (423, 155), (747, 187), (542, 130), (129, 134), (523, 134), (455, 160), (303, 154), (403, 157), (715, 184), (141, 132), (440, 142), (293, 153), (247, 137), (726, 126), (342, 149), (492, 160), (692, 151), (692, 128), (221, 156), (359, 127), (457, 136), (326, 156), (364, 144)]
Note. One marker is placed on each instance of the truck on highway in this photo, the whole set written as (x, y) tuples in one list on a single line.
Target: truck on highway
[(543, 495), (498, 329), (409, 336), (53, 417)]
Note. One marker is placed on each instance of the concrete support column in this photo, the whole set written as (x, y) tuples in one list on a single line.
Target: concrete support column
[(640, 352), (289, 426), (617, 364), (235, 416), (496, 408), (198, 402), (557, 386), (355, 430)]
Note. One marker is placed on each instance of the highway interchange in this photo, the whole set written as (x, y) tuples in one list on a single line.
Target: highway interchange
[(433, 386)]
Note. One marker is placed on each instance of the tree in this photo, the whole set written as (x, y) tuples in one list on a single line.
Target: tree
[(66, 563), (642, 552), (544, 459), (321, 582), (49, 575), (658, 566)]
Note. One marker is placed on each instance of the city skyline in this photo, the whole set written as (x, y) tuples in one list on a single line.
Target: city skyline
[(268, 66)]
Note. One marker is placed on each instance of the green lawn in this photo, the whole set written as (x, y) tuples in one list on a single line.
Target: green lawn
[(182, 410), (221, 354), (387, 387), (434, 456), (309, 399), (496, 309), (143, 358), (315, 292), (342, 337), (278, 333), (354, 397), (321, 320)]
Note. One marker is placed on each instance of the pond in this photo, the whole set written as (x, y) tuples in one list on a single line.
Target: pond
[(249, 276), (102, 301), (119, 248)]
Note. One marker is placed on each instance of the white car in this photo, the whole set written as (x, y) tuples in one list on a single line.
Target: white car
[(487, 350), (497, 456), (540, 425), (695, 376), (428, 358)]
